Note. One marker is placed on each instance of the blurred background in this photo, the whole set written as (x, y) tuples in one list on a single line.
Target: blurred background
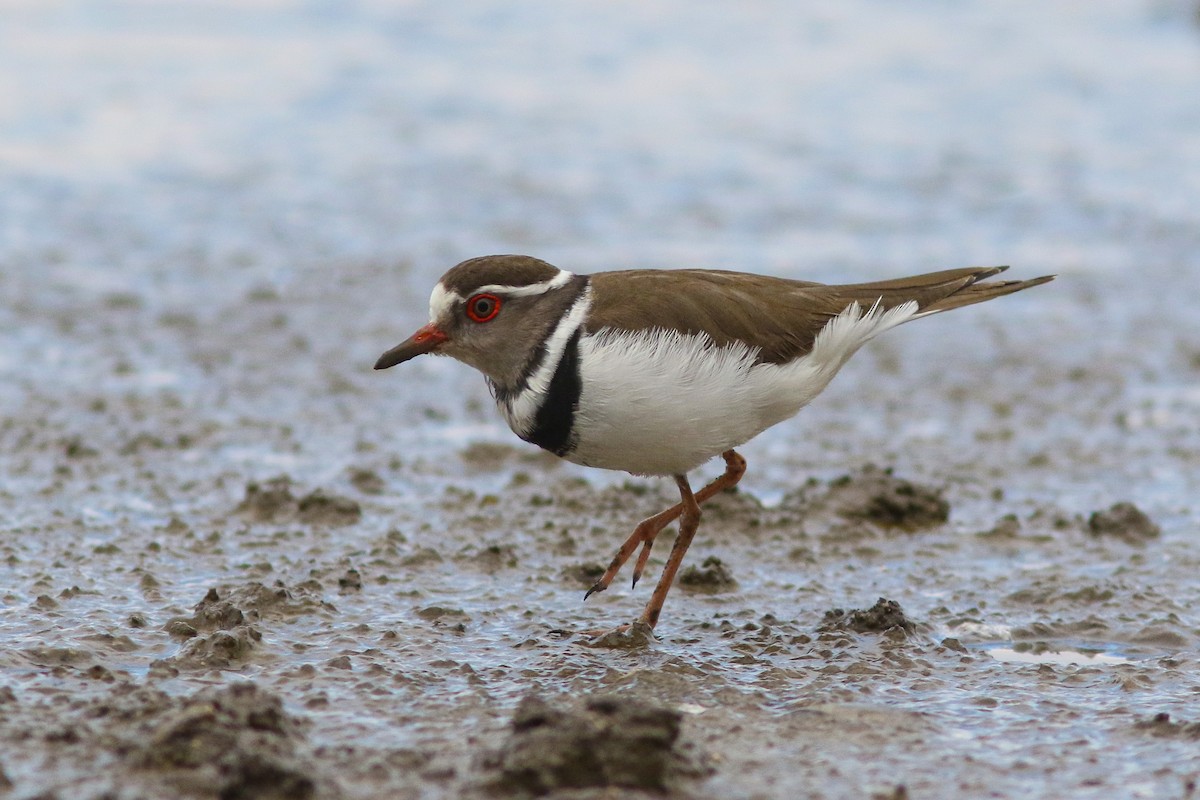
[(769, 136)]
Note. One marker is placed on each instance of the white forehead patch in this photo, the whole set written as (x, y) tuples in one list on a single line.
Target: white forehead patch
[(441, 301)]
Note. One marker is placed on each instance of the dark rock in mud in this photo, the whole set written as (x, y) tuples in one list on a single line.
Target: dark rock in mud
[(273, 501), (1124, 521), (712, 577), (233, 742), (884, 616), (877, 496), (608, 742)]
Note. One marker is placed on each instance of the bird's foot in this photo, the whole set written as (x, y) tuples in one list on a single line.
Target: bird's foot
[(634, 636), (643, 536)]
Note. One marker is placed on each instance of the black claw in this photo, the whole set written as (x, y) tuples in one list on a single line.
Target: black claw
[(636, 578), (596, 589)]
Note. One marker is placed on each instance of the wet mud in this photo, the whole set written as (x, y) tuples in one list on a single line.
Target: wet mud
[(401, 664), (235, 562)]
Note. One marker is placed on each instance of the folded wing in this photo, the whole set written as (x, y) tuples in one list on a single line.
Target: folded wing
[(778, 316)]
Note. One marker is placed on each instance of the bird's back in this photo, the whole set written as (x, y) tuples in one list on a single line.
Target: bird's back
[(778, 316)]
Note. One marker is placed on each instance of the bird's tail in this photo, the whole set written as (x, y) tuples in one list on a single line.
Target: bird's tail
[(934, 292)]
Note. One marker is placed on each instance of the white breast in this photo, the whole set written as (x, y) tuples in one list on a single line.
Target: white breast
[(662, 403)]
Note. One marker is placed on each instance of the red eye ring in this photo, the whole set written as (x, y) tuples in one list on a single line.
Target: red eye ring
[(483, 307)]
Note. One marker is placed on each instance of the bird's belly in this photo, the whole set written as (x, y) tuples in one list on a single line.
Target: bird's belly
[(665, 403)]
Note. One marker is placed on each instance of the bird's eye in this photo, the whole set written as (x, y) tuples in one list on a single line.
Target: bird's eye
[(483, 307)]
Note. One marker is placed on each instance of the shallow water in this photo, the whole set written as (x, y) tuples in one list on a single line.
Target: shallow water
[(213, 218)]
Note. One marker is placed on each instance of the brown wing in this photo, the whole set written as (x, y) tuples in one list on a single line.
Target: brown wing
[(780, 317)]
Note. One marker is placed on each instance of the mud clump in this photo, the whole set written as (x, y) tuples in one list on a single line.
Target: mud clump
[(885, 615), (226, 607), (211, 614), (877, 496), (492, 558), (221, 631), (351, 580), (218, 650), (319, 508), (234, 742), (367, 481), (217, 635), (636, 636), (273, 501), (268, 502), (1124, 521), (711, 577), (1161, 725), (609, 742), (1007, 527)]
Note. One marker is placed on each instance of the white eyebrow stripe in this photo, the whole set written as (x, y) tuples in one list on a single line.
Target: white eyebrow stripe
[(442, 299), (531, 289)]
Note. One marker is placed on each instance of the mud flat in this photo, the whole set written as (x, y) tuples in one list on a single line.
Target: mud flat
[(340, 656)]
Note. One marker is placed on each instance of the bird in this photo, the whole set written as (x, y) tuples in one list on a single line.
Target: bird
[(655, 372)]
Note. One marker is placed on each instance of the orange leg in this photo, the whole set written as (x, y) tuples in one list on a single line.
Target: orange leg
[(689, 521), (646, 531), (735, 468)]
